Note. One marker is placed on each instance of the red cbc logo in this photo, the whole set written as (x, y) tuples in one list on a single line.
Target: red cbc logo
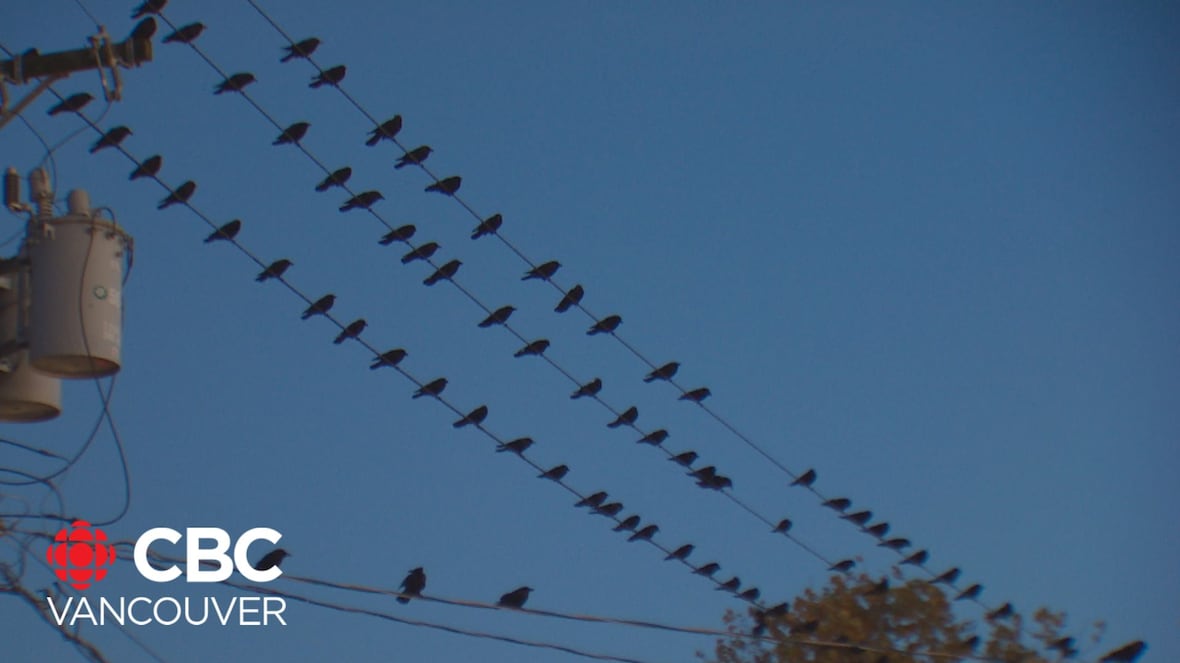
[(80, 555)]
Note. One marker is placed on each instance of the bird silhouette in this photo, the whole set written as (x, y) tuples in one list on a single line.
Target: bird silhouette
[(446, 186), (148, 7), (783, 526), (414, 156), (971, 643), (399, 234), (445, 272), (970, 593), (274, 270), (949, 576), (810, 626), (696, 395), (517, 446), (656, 437), (898, 543), (337, 178), (917, 559), (432, 388), (292, 134), (628, 417), (730, 585), (413, 584), (111, 138), (556, 473), (144, 29), (536, 348), (805, 479), (72, 104), (271, 559), (148, 167), (838, 503), (353, 330), (235, 83), (498, 317), (681, 553), (1063, 645), (703, 472), (609, 510), (572, 298), (629, 523), (488, 226), (605, 325), (707, 570), (388, 358), (843, 566), (752, 594), (179, 195), (878, 588), (320, 306), (362, 200), (716, 482), (860, 517), (686, 459), (1128, 653), (185, 34), (879, 530), (225, 232), (644, 534), (591, 388), (331, 76), (544, 271), (474, 417), (664, 372), (516, 598), (421, 253), (387, 130), (300, 49), (1003, 612)]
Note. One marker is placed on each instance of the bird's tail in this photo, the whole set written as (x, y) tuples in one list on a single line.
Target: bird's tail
[(373, 140), (306, 315), (339, 339), (345, 208), (323, 186), (400, 164), (286, 58), (403, 600)]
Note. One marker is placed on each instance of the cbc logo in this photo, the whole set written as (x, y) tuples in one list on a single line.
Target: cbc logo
[(80, 554)]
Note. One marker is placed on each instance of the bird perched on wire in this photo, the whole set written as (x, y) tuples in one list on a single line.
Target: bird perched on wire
[(555, 473), (225, 232), (544, 271), (446, 186), (716, 482), (353, 330), (292, 134), (708, 570), (664, 372), (843, 566), (571, 298), (148, 7), (805, 479), (235, 83), (655, 437), (337, 178), (949, 576), (593, 500), (517, 446), (516, 598), (536, 348), (399, 234), (752, 594), (72, 103), (730, 585), (838, 503), (1003, 612), (783, 526), (971, 593), (445, 272), (609, 510), (331, 76), (628, 417), (589, 389), (148, 167), (320, 306), (179, 195), (686, 459), (433, 388), (629, 523), (185, 34), (274, 270), (474, 417), (300, 49), (421, 253), (111, 138), (488, 226), (681, 553), (917, 559), (897, 543), (144, 29), (879, 530), (362, 200), (605, 325), (387, 130), (413, 584), (414, 156), (497, 317), (859, 518), (696, 395), (1128, 653), (389, 358), (644, 534), (271, 559)]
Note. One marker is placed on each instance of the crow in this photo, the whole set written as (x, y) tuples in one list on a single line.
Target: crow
[(682, 552), (362, 200), (353, 330), (148, 167), (292, 134), (572, 298), (300, 49), (420, 253), (626, 418), (516, 598), (591, 388), (644, 534), (917, 559), (387, 130), (544, 271), (271, 559), (149, 7), (413, 584), (331, 76), (275, 270), (497, 317), (320, 306), (605, 325), (337, 178), (708, 570), (488, 226), (516, 446), (399, 234), (445, 272), (389, 358), (225, 232), (656, 437), (414, 156), (971, 593), (446, 186), (686, 459), (111, 138), (179, 195), (234, 83), (556, 473), (783, 526), (536, 348), (629, 523), (843, 566), (185, 34), (838, 503), (696, 395), (664, 372), (805, 479), (433, 388)]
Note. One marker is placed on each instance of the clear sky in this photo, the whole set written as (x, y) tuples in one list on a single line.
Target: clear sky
[(927, 248)]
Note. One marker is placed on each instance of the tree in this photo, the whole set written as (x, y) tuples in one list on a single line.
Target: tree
[(878, 620)]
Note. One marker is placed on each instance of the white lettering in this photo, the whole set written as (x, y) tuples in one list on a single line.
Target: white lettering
[(216, 555), (243, 561), (141, 550), (156, 610), (59, 617), (278, 614)]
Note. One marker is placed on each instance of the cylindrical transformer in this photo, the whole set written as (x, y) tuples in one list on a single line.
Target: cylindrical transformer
[(26, 394), (76, 316)]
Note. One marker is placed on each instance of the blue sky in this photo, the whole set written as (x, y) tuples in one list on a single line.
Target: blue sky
[(928, 249)]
